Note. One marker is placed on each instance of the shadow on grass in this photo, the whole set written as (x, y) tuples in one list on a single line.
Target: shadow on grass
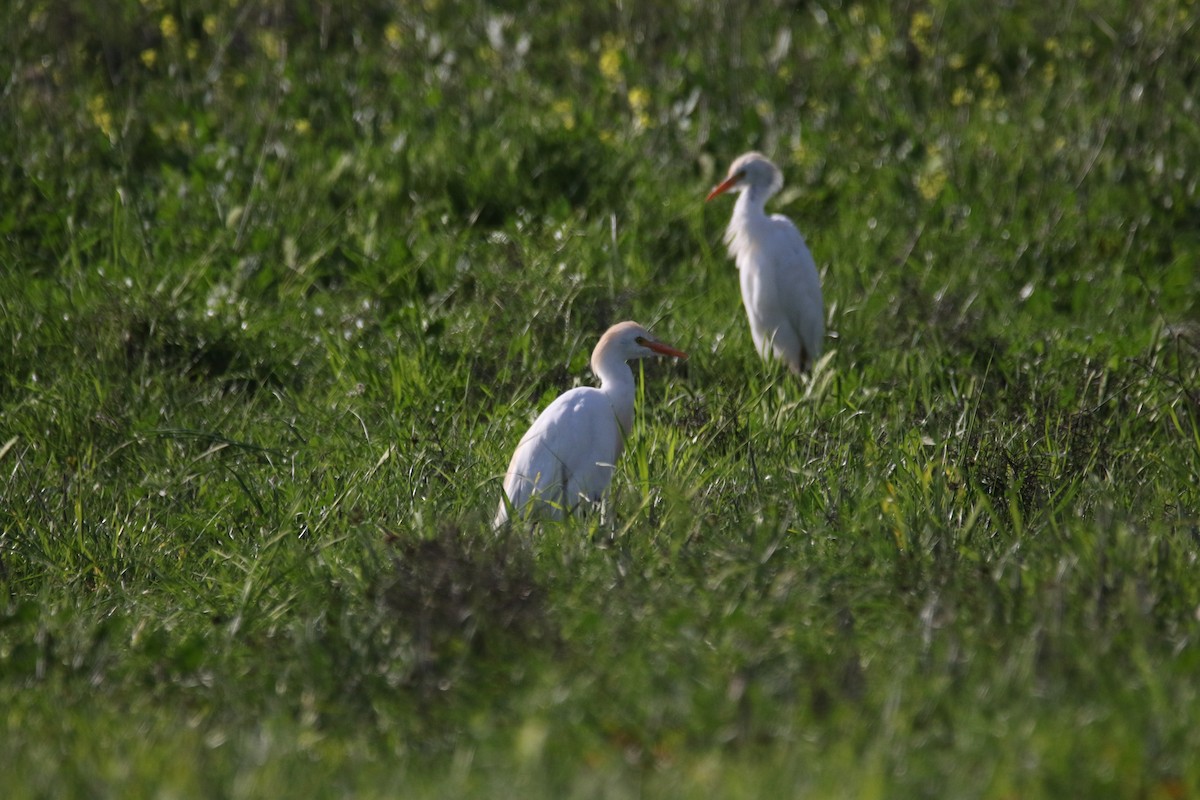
[(464, 603)]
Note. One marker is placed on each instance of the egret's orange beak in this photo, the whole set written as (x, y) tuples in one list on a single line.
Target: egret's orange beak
[(725, 186), (666, 350)]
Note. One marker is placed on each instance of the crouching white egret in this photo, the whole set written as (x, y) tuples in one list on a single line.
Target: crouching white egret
[(567, 457)]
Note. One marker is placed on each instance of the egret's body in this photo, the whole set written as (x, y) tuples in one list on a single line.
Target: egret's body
[(781, 289), (567, 457)]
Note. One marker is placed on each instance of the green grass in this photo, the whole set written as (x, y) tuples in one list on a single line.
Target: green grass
[(280, 289)]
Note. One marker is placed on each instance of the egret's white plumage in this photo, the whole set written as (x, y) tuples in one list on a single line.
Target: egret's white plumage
[(780, 285), (567, 457)]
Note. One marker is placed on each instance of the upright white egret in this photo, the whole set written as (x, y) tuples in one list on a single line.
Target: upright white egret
[(567, 457), (780, 285)]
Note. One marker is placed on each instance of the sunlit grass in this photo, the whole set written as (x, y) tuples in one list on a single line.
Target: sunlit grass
[(282, 286)]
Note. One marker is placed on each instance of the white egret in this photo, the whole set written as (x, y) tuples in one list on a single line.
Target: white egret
[(780, 285), (567, 457)]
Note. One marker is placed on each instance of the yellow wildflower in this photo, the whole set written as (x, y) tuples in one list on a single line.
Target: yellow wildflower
[(919, 30), (610, 58), (988, 80), (149, 57), (610, 64), (989, 86), (876, 46), (932, 178), (957, 61), (961, 97), (857, 14), (210, 24), (393, 34), (271, 46), (101, 116), (639, 99), (565, 111), (169, 27), (930, 184), (301, 126)]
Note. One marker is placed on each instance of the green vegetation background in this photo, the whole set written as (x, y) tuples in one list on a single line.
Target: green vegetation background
[(282, 284)]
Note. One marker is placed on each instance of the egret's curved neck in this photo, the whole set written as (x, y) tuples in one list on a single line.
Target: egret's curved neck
[(752, 201), (617, 383)]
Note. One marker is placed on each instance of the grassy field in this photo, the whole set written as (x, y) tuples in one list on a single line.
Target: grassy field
[(280, 290)]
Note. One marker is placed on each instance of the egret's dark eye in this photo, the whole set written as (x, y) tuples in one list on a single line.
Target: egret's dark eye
[(640, 340)]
